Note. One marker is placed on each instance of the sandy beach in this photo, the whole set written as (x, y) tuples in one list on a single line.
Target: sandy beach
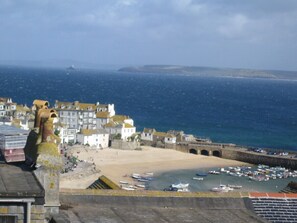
[(120, 164)]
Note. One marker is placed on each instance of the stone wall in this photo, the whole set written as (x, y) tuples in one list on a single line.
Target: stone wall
[(19, 210), (120, 144)]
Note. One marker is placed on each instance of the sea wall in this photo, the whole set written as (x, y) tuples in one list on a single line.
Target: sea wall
[(123, 145), (158, 144)]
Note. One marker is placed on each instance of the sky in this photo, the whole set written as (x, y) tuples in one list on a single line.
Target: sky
[(259, 34)]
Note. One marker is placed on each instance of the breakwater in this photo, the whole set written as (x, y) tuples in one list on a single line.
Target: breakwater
[(230, 151)]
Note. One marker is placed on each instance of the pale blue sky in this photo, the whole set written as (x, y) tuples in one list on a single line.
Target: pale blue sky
[(236, 33)]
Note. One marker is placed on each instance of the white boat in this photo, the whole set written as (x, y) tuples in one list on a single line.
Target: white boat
[(214, 172), (140, 185), (221, 188), (149, 174), (183, 190), (123, 182), (235, 186), (180, 186), (128, 188), (136, 176), (198, 178)]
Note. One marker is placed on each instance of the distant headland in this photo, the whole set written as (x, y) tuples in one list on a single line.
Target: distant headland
[(212, 72)]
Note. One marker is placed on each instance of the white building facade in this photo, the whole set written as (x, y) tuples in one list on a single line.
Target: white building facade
[(96, 138)]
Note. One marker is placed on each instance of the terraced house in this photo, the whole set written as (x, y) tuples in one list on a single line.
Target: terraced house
[(7, 107), (75, 117), (154, 138), (121, 125)]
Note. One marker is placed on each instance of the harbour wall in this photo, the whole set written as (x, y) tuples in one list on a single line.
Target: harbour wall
[(255, 158), (237, 153)]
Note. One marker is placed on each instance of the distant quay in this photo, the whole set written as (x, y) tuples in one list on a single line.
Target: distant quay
[(239, 153)]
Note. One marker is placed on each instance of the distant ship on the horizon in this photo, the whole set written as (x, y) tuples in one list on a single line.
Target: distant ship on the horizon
[(71, 67)]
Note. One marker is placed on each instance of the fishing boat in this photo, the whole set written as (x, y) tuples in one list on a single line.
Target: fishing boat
[(140, 185)]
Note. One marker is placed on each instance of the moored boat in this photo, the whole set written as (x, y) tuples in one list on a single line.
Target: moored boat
[(221, 188), (180, 185), (201, 174), (198, 178), (235, 186)]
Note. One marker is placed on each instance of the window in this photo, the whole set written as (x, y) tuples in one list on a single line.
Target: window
[(8, 219)]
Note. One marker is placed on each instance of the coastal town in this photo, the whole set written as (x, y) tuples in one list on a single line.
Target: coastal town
[(88, 146), (97, 125)]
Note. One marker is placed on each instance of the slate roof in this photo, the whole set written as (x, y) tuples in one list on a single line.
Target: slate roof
[(18, 181), (11, 130), (89, 132), (102, 115)]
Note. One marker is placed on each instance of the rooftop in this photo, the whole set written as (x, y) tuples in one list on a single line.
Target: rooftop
[(102, 115), (11, 130), (19, 181)]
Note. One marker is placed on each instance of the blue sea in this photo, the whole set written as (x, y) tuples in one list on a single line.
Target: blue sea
[(245, 111)]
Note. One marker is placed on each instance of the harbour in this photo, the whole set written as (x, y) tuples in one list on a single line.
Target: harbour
[(244, 184)]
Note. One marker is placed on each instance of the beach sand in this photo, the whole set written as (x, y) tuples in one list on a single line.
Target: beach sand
[(118, 165)]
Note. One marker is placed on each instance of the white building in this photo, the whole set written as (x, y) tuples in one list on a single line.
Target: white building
[(98, 138), (154, 136), (102, 118), (121, 124), (76, 115), (7, 107), (147, 134), (67, 135)]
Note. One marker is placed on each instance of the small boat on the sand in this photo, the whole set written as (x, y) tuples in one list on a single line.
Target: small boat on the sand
[(140, 185), (128, 188), (123, 182), (136, 176)]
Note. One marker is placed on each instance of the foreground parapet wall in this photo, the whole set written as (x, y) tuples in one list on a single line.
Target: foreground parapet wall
[(156, 206)]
